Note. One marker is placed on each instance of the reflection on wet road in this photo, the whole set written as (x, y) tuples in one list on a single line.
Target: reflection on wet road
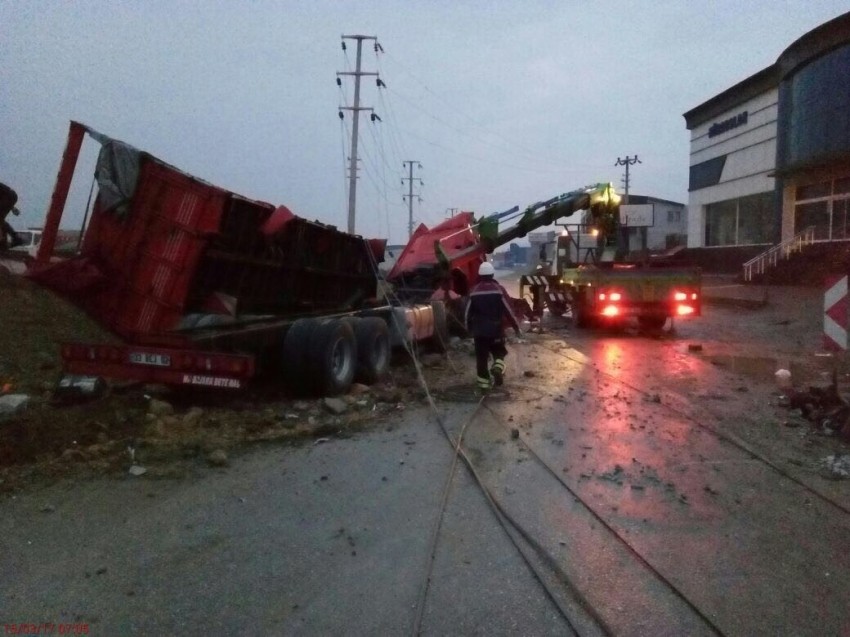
[(627, 423)]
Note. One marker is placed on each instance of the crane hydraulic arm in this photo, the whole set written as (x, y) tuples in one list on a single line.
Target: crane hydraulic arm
[(600, 199)]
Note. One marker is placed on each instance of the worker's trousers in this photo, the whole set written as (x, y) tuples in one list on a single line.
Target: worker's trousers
[(484, 347)]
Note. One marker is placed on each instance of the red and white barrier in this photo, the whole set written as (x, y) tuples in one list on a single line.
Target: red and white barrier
[(835, 314)]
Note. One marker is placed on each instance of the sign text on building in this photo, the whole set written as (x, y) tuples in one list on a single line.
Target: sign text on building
[(728, 124), (637, 215)]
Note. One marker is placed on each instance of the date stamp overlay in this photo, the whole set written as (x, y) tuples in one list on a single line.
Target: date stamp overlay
[(45, 628)]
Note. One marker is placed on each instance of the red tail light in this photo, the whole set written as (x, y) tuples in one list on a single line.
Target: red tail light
[(680, 296), (684, 310), (610, 310)]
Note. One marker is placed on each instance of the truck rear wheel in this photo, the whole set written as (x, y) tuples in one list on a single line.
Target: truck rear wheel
[(332, 358), (581, 316), (373, 349), (295, 353)]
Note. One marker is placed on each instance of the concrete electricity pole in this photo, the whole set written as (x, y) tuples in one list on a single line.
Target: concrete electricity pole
[(624, 231), (356, 108), (409, 196), (628, 161), (452, 211)]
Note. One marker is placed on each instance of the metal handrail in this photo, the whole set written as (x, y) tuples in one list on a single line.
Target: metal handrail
[(770, 257)]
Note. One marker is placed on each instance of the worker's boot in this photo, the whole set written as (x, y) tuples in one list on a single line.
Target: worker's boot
[(483, 385), (498, 372)]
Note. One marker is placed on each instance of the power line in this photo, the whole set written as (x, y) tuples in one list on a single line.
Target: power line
[(512, 145)]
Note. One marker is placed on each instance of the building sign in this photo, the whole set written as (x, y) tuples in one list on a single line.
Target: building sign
[(637, 215), (718, 128)]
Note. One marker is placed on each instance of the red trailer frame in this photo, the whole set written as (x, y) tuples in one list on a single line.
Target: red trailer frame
[(194, 278)]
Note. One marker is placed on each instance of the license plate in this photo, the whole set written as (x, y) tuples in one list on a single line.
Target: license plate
[(157, 360)]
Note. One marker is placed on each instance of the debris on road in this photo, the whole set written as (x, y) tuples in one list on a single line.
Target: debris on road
[(160, 408), (137, 470), (783, 379), (823, 406), (218, 458), (432, 360), (335, 406), (11, 404), (835, 467)]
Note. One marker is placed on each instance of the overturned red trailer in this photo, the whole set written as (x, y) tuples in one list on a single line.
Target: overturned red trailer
[(205, 286)]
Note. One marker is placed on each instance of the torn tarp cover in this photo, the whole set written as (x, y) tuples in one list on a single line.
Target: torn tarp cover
[(117, 172)]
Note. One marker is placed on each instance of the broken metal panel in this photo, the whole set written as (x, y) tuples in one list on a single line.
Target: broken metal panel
[(180, 244), (294, 266)]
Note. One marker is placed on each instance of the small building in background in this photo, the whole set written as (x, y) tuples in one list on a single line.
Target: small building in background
[(668, 227)]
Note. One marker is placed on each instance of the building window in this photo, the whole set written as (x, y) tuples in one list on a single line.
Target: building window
[(824, 206), (814, 214), (745, 221), (674, 216), (721, 223)]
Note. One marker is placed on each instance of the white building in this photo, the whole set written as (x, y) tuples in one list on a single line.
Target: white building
[(669, 224), (770, 156)]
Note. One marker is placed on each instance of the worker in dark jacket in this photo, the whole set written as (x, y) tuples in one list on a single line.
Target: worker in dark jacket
[(488, 306), (8, 198)]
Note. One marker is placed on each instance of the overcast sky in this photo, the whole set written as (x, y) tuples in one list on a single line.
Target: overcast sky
[(503, 103)]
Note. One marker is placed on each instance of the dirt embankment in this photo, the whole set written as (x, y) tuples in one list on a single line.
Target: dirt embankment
[(165, 432)]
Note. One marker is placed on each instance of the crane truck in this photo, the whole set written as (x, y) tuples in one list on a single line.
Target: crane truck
[(443, 263), (597, 288)]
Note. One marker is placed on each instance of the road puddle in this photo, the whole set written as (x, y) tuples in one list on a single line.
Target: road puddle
[(762, 367), (765, 367)]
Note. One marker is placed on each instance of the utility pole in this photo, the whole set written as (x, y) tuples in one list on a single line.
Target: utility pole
[(355, 109), (452, 211), (628, 161), (409, 196), (624, 232)]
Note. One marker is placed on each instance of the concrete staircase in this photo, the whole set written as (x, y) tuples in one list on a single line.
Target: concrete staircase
[(768, 260), (807, 267)]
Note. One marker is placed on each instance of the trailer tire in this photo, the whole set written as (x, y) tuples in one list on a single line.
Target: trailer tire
[(373, 349), (295, 354), (582, 318), (332, 358), (440, 339), (557, 308)]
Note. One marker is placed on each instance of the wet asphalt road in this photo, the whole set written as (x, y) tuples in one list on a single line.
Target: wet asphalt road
[(617, 455)]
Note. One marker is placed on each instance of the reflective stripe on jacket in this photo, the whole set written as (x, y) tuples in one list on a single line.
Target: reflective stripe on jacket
[(488, 304)]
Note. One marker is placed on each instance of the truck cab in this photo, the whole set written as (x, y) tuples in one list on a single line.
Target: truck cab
[(31, 239)]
